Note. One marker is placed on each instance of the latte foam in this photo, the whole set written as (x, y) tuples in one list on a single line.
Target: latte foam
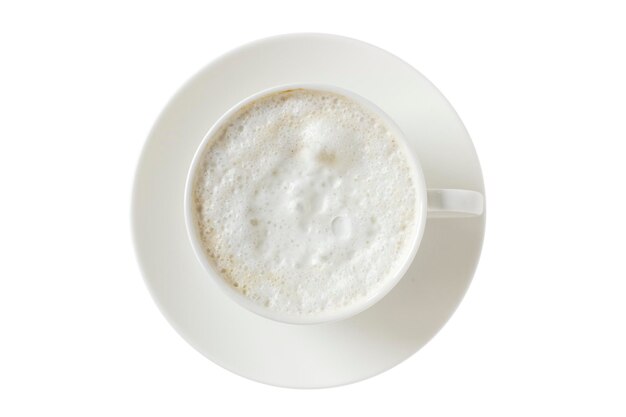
[(305, 202)]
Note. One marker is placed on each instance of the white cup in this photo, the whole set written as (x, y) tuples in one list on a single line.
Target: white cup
[(430, 203)]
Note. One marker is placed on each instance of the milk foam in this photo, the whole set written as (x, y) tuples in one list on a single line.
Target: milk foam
[(305, 202)]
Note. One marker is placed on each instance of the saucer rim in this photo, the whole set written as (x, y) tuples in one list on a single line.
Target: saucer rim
[(136, 239)]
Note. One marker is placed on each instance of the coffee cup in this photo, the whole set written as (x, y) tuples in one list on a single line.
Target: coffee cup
[(424, 204)]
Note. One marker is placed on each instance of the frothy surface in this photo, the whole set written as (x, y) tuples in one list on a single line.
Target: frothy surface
[(305, 202)]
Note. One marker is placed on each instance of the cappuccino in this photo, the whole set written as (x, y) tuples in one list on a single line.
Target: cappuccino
[(305, 202)]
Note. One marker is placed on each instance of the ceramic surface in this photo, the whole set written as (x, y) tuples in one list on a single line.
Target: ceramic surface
[(317, 355)]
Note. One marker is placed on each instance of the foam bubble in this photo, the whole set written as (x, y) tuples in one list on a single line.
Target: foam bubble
[(305, 202)]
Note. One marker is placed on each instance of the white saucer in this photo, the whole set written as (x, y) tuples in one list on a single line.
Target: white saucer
[(305, 355)]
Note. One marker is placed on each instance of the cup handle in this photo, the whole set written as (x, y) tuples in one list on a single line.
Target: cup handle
[(455, 203)]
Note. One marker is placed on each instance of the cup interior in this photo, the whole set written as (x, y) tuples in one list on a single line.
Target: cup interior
[(329, 316)]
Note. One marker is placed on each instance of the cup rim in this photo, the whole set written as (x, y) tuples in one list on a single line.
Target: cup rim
[(324, 317)]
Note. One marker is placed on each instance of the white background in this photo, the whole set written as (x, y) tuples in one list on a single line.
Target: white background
[(541, 87)]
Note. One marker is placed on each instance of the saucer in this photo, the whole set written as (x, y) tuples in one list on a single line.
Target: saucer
[(318, 355)]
